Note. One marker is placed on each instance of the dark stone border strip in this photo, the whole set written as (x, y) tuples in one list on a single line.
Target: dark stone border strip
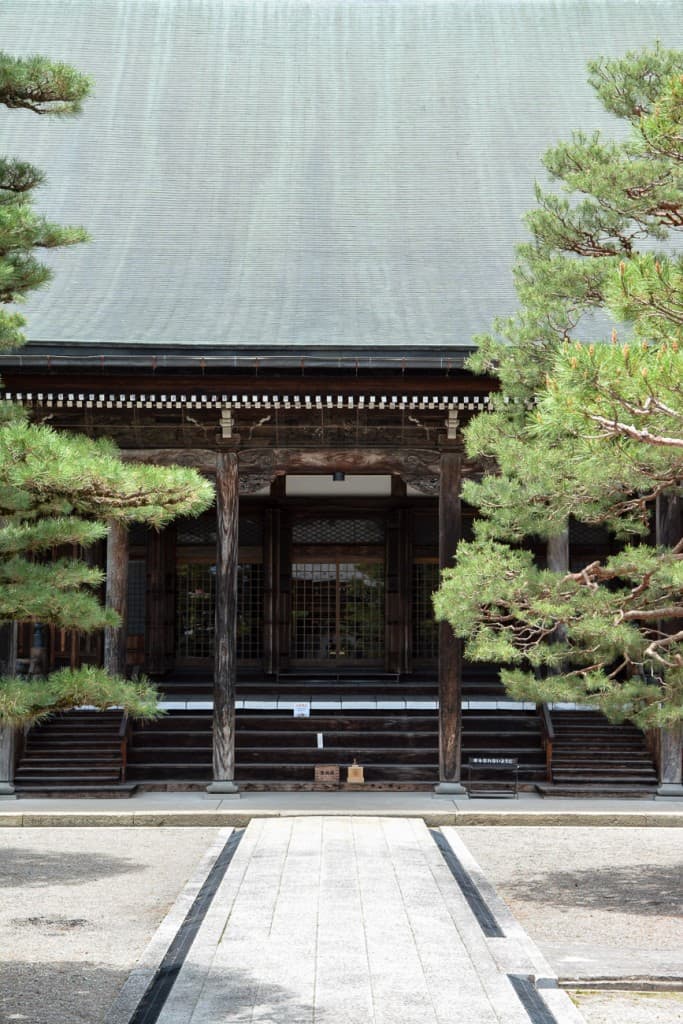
[(531, 1000), (159, 988), (477, 904)]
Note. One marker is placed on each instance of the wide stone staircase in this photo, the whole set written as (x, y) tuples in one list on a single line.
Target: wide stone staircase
[(388, 724), (274, 749)]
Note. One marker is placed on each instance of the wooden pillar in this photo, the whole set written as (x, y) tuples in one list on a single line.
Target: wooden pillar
[(8, 662), (225, 663), (669, 528), (116, 597), (450, 648), (557, 552), (7, 738)]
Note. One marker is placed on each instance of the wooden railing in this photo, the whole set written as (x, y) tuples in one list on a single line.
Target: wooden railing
[(124, 736), (548, 737)]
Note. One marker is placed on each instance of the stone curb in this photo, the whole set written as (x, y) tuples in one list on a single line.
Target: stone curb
[(143, 972), (240, 819), (644, 984)]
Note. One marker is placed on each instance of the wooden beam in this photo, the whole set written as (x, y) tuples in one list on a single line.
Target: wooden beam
[(450, 648), (225, 664), (116, 597)]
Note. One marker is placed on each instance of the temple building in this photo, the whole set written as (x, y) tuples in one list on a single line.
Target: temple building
[(302, 215)]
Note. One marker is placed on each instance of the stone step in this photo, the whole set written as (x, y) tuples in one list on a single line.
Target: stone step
[(268, 771), (593, 790), (604, 778), (85, 789), (61, 771)]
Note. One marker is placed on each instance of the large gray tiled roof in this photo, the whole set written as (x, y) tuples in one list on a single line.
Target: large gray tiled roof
[(297, 174)]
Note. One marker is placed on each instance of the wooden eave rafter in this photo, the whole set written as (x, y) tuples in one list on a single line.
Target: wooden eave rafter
[(245, 401)]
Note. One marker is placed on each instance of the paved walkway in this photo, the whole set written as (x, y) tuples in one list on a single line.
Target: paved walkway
[(349, 920), (199, 808)]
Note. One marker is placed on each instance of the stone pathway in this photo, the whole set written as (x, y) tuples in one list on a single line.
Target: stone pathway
[(358, 921)]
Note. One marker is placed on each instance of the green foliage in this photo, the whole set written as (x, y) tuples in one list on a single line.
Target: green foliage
[(27, 701), (43, 87), (58, 491), (592, 431), (615, 193)]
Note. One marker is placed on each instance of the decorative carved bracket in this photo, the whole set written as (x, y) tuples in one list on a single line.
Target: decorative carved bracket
[(258, 467), (418, 467)]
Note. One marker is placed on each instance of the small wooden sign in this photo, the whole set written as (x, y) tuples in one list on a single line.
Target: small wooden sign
[(327, 775), (354, 773)]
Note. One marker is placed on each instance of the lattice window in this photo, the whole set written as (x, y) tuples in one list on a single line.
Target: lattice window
[(196, 589), (196, 608), (202, 532), (425, 629), (338, 531), (249, 612), (338, 611), (361, 610), (314, 610), (137, 587)]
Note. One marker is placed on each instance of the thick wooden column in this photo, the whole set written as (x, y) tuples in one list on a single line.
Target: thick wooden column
[(8, 662), (450, 648), (669, 528), (117, 598), (557, 552), (225, 663), (7, 738)]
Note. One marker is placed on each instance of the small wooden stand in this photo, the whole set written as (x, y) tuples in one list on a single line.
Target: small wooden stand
[(354, 773), (326, 776)]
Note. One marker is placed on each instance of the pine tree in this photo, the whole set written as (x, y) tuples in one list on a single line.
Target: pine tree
[(588, 430), (58, 490)]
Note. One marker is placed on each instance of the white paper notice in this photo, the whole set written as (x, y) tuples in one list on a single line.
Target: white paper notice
[(302, 709)]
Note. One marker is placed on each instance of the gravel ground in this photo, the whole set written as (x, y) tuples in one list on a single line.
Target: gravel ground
[(630, 1008), (600, 903), (78, 906)]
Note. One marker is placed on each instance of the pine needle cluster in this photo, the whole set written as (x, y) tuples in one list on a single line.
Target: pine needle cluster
[(588, 426), (59, 491)]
